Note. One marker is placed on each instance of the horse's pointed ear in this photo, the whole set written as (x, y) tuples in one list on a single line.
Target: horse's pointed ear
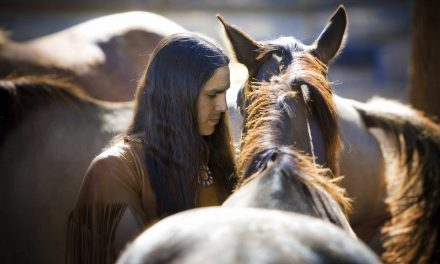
[(243, 47), (332, 38)]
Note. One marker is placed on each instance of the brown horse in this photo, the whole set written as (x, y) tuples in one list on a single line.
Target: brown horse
[(411, 192), (275, 116), (105, 56), (297, 206), (49, 133)]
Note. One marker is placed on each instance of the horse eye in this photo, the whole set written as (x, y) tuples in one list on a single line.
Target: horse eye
[(279, 54)]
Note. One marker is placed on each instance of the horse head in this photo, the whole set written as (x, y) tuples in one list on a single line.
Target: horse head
[(273, 174), (314, 109)]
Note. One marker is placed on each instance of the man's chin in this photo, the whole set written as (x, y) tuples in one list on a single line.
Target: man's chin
[(207, 132)]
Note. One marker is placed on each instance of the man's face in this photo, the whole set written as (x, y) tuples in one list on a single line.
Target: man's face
[(211, 103)]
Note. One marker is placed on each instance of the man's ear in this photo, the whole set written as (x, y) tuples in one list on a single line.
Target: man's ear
[(332, 38), (245, 49)]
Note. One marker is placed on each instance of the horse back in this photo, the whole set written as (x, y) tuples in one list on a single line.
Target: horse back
[(105, 56), (245, 235)]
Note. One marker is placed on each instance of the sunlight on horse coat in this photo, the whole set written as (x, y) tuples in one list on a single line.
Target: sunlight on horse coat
[(105, 56), (244, 235)]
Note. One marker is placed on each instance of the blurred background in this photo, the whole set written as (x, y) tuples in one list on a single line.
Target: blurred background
[(374, 62)]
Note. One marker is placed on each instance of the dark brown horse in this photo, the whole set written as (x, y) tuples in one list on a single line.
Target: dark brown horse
[(411, 191), (298, 204), (49, 133), (105, 56)]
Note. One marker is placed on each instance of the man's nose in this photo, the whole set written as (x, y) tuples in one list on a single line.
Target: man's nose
[(221, 104)]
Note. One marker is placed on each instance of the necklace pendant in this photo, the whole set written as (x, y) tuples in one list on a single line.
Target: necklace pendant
[(205, 177)]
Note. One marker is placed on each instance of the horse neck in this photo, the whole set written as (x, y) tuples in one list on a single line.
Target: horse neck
[(288, 180)]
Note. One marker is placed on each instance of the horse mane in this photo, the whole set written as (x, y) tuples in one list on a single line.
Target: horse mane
[(262, 120), (264, 130), (413, 235), (21, 96), (315, 181)]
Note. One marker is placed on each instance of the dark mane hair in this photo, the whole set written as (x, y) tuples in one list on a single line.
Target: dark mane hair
[(304, 69), (265, 126), (21, 96), (166, 113)]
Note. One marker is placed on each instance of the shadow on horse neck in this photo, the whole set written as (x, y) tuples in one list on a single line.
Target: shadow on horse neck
[(274, 175)]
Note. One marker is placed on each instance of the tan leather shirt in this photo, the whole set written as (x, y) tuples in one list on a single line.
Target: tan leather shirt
[(116, 180)]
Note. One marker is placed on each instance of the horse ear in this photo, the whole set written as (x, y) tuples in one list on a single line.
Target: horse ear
[(243, 47), (332, 38)]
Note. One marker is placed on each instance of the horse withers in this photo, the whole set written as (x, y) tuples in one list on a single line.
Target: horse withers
[(409, 190)]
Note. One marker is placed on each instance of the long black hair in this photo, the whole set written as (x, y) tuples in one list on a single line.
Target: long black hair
[(166, 113)]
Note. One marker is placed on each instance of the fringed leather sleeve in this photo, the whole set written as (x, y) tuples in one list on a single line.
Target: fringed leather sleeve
[(91, 233), (115, 188)]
